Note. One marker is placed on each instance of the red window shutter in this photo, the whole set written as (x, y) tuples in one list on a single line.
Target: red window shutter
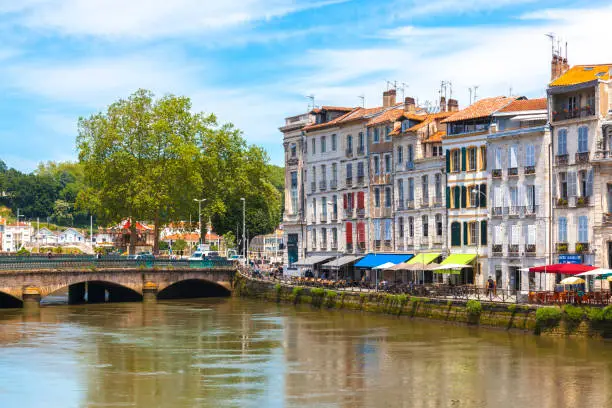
[(360, 232), (352, 200), (360, 200), (349, 232), (344, 201)]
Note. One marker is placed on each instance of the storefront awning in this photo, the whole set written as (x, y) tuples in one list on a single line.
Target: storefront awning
[(312, 260), (423, 258), (340, 262), (373, 260), (454, 263), (565, 269)]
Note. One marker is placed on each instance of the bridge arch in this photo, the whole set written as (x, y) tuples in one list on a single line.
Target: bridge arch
[(8, 301), (95, 291), (193, 288)]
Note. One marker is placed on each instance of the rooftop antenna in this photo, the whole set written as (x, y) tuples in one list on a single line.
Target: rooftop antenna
[(470, 89), (551, 36), (475, 92), (362, 97), (403, 87), (312, 101), (510, 93)]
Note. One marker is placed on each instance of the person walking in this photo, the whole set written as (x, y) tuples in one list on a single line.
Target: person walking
[(490, 288)]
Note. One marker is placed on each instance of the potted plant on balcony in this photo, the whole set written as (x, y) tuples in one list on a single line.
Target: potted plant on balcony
[(562, 247), (562, 202), (581, 201)]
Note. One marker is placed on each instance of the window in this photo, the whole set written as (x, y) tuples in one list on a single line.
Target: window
[(388, 229), (360, 172), (439, 225), (483, 158), (388, 197), (376, 135), (323, 172), (530, 155), (387, 163), (410, 158), (387, 133), (324, 238), (400, 155), (361, 141), (349, 143), (314, 238), (425, 221), (377, 230), (294, 192), (438, 188), (314, 210), (455, 160), (572, 103), (293, 150), (563, 185), (400, 227), (411, 227), (572, 188), (562, 142), (334, 142), (410, 189), (582, 182), (349, 171), (473, 233), (583, 139), (400, 190), (324, 207), (335, 206), (515, 234), (334, 237), (376, 165), (377, 197), (514, 197), (314, 173), (425, 188), (471, 159), (562, 227), (497, 163), (531, 198), (314, 146), (583, 229), (334, 172), (323, 144), (513, 157), (531, 234), (455, 234)]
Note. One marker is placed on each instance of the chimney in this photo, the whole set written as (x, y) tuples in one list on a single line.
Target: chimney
[(558, 66), (442, 104), (389, 98), (453, 105), (409, 104)]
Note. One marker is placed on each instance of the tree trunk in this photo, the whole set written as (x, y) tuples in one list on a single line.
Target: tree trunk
[(133, 237), (156, 232)]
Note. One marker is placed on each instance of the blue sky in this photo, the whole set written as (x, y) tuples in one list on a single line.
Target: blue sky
[(252, 62)]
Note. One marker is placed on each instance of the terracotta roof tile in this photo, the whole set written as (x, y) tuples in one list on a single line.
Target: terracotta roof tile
[(579, 74), (526, 105), (436, 137), (335, 121), (331, 108), (481, 108), (390, 115)]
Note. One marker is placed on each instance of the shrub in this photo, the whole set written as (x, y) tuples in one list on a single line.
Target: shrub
[(330, 294), (473, 307), (547, 317), (595, 314), (573, 314), (277, 287), (402, 299), (23, 252), (317, 292), (512, 308), (297, 291)]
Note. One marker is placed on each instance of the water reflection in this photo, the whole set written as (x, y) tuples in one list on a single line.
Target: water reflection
[(229, 352)]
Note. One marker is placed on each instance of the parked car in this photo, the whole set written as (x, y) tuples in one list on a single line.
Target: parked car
[(142, 256), (238, 258), (205, 256), (197, 256)]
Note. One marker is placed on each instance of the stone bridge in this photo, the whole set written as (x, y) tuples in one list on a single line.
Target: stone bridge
[(113, 284)]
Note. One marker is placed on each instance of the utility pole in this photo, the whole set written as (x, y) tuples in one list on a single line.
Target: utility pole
[(200, 217), (244, 227)]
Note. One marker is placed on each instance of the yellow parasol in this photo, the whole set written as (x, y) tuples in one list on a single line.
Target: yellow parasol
[(572, 280)]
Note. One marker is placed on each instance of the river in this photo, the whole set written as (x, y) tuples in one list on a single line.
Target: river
[(242, 353)]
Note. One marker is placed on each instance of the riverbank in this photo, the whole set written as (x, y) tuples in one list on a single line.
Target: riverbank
[(552, 321)]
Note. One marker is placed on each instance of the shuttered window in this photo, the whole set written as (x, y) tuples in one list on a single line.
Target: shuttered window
[(583, 229)]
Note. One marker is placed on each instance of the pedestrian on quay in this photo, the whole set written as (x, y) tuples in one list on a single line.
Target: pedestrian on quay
[(490, 287)]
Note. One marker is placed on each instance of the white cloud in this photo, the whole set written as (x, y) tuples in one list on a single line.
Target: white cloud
[(148, 18), (437, 7)]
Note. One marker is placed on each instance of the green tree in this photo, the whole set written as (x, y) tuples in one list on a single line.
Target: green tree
[(179, 245), (61, 212), (138, 159)]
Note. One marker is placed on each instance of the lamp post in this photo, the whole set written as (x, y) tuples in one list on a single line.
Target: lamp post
[(475, 192), (200, 201), (244, 228)]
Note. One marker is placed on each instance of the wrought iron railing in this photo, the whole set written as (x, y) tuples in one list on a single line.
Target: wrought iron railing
[(34, 262)]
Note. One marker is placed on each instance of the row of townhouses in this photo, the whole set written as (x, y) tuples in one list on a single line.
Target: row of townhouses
[(505, 184)]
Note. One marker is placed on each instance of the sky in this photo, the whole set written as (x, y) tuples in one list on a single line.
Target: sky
[(253, 62)]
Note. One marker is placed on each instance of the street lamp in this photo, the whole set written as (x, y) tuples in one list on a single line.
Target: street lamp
[(200, 217), (244, 228)]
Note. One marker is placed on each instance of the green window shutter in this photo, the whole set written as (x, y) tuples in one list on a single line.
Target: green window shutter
[(448, 159), (457, 196), (463, 159), (465, 233), (483, 232), (463, 196), (483, 195), (448, 197), (455, 234)]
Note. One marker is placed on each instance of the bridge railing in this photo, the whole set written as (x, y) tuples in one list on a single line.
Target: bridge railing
[(85, 262)]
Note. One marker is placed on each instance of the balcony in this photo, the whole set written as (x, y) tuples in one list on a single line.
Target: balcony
[(410, 204), (437, 202), (348, 213), (377, 244), (349, 181), (361, 212), (561, 202), (497, 249), (424, 241), (313, 187), (361, 247), (497, 212), (409, 165), (437, 239), (400, 205), (531, 210), (513, 250), (400, 247), (496, 173), (387, 245), (562, 160), (334, 246), (323, 246), (512, 171), (530, 249), (381, 179), (561, 247), (582, 157), (425, 202), (607, 218), (333, 184), (582, 247), (333, 217), (602, 155), (293, 161), (360, 180), (529, 170), (349, 247), (361, 150), (516, 211), (565, 114), (322, 185), (582, 202), (323, 217), (349, 152)]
